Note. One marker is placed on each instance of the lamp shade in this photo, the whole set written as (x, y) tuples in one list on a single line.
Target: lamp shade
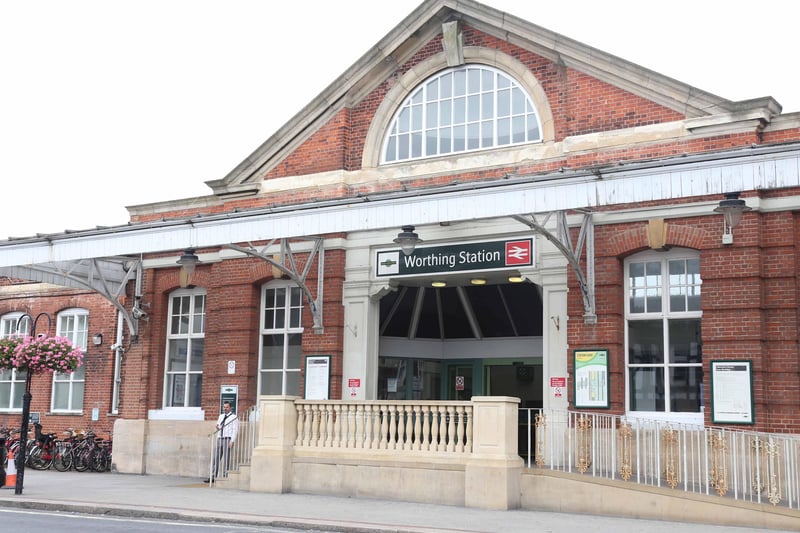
[(732, 208), (407, 240), (188, 261)]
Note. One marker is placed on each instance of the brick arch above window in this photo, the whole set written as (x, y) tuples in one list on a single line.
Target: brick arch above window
[(410, 81), (677, 235)]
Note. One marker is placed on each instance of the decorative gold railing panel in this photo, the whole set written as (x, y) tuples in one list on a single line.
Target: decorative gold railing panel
[(718, 461), (625, 450), (670, 456), (765, 455), (733, 463), (540, 421), (583, 432)]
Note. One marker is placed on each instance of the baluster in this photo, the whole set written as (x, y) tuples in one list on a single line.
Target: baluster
[(451, 428), (375, 432), (315, 423), (426, 427), (323, 426), (384, 427), (442, 445), (409, 419), (329, 425), (336, 434), (401, 426), (460, 429), (300, 424), (392, 427), (468, 443), (307, 417), (347, 426), (434, 428), (358, 434)]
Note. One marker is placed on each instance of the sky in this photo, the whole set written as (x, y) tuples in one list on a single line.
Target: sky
[(112, 103)]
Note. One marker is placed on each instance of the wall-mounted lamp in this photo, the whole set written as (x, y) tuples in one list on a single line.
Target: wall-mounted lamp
[(407, 240), (732, 209), (188, 261), (478, 281), (97, 339), (438, 284)]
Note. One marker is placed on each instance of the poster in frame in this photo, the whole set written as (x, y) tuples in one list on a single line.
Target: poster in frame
[(732, 392), (591, 384), (318, 374)]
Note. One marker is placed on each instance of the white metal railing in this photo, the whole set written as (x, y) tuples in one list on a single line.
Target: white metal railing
[(385, 425), (745, 465), (241, 453)]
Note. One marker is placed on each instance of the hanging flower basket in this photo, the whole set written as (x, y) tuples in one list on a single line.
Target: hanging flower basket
[(43, 354), (7, 347)]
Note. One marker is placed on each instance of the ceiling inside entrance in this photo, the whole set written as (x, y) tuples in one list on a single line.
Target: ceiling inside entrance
[(463, 312)]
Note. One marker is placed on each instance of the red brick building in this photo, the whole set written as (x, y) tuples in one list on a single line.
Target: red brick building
[(569, 209)]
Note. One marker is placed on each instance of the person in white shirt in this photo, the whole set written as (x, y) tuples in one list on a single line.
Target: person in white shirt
[(227, 429)]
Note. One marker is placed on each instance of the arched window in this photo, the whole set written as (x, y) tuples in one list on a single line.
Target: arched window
[(663, 336), (461, 109), (68, 389), (186, 336), (281, 339)]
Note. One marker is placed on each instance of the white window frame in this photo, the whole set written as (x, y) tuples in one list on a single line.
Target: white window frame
[(432, 121), (291, 327), (74, 325), (194, 334), (664, 314), (11, 325)]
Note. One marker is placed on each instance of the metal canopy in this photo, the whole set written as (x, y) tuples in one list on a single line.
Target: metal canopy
[(100, 259), (286, 263), (107, 276), (563, 242), (662, 181)]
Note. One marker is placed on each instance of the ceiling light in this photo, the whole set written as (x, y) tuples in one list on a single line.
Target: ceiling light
[(515, 278), (478, 281), (438, 284)]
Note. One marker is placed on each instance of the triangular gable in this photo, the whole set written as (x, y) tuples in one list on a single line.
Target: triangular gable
[(425, 24)]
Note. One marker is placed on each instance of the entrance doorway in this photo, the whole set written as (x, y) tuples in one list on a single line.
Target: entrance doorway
[(460, 384), (467, 340)]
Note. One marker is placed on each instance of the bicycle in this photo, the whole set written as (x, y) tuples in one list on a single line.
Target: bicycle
[(42, 453), (65, 450)]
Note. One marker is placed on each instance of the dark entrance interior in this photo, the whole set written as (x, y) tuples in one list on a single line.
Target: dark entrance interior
[(462, 312)]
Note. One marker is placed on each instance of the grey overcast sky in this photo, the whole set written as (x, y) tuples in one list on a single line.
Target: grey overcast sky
[(110, 103)]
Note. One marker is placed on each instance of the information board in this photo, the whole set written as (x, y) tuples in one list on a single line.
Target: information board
[(732, 392), (591, 378), (318, 372)]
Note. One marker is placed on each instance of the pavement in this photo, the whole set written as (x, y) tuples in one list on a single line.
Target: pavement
[(188, 499)]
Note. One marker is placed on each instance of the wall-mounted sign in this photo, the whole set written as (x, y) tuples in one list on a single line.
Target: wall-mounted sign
[(732, 392), (591, 378), (464, 257), (229, 393)]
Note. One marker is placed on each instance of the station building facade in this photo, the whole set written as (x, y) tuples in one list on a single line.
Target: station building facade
[(563, 214)]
